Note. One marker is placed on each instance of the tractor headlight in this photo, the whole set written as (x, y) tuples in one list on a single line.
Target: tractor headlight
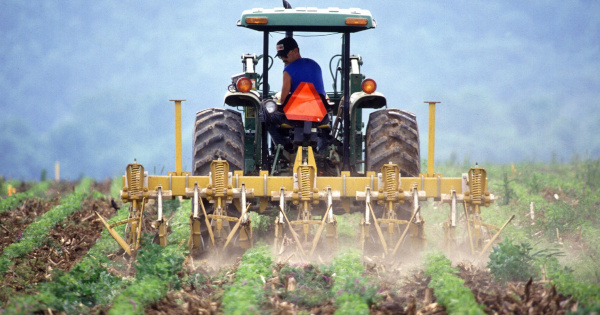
[(270, 106)]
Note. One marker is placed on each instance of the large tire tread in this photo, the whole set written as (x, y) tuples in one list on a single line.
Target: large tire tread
[(218, 133), (393, 136)]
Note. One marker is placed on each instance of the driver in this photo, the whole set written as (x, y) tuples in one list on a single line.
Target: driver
[(296, 70)]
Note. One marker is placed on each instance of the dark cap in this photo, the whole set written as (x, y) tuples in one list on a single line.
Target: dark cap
[(285, 45)]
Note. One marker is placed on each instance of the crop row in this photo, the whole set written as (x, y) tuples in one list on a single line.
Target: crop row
[(87, 284), (354, 292), (247, 292), (36, 232), (157, 270), (90, 283), (448, 288)]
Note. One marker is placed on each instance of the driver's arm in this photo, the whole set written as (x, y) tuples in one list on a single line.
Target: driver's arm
[(286, 87)]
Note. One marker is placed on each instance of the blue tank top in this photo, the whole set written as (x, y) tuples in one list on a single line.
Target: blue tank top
[(305, 70)]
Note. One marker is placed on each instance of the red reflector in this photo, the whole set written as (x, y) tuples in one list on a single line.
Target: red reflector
[(305, 104)]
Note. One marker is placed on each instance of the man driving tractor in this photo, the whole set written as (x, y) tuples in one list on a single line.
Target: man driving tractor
[(297, 70)]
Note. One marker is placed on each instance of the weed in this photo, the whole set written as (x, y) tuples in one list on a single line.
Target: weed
[(587, 295), (312, 286), (518, 262)]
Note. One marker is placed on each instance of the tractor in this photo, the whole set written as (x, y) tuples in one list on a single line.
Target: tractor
[(332, 167)]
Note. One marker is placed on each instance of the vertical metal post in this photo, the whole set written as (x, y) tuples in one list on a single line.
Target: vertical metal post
[(265, 95), (178, 156), (346, 88), (431, 149), (57, 171)]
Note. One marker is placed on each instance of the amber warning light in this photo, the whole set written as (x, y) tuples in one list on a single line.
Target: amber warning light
[(257, 20), (244, 85), (356, 21), (368, 86)]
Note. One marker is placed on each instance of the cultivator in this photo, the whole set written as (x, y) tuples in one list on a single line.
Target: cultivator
[(307, 192)]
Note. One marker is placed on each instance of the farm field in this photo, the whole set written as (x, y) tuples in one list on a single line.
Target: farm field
[(56, 257)]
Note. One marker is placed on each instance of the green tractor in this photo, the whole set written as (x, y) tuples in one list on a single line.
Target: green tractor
[(240, 137)]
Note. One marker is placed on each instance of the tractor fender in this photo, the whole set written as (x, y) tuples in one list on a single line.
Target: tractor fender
[(364, 100), (236, 99)]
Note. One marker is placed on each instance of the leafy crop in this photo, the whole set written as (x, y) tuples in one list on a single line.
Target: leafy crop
[(354, 292), (246, 294), (449, 288), (157, 271)]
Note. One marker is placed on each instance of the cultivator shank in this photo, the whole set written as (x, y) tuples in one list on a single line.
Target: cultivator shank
[(474, 197)]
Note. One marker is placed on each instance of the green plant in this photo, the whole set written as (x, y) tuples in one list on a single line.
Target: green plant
[(507, 192), (157, 268), (518, 262), (511, 262), (157, 271), (535, 184), (87, 284), (353, 292), (449, 288), (261, 223), (246, 294), (312, 286), (586, 294)]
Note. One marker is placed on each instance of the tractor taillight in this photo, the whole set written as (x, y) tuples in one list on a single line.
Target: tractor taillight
[(257, 20), (368, 86), (244, 85)]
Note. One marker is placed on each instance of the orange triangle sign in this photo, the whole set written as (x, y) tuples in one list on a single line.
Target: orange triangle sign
[(305, 104)]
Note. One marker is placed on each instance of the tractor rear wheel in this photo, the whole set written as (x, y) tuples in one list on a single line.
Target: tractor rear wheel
[(218, 133), (393, 136)]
